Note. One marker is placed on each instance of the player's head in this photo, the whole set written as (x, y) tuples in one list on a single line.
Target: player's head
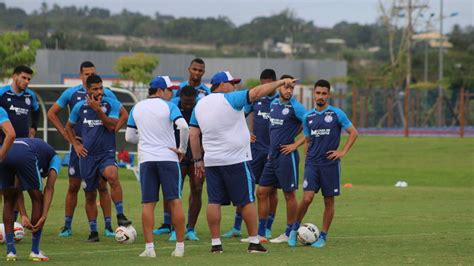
[(21, 77), (94, 87), (86, 69), (162, 87), (286, 91), (196, 69), (268, 75), (321, 92), (187, 97), (223, 82)]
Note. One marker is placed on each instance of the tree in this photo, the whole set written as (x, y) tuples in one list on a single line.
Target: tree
[(137, 67), (16, 48)]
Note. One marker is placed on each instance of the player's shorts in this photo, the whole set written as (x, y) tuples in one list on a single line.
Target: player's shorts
[(24, 166), (92, 168), (259, 157), (166, 174), (230, 183), (188, 159), (74, 170), (325, 177), (281, 172)]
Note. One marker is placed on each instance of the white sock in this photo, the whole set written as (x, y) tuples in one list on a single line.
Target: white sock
[(150, 246), (180, 245), (254, 239), (216, 241)]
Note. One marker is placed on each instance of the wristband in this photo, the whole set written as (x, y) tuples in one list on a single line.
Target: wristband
[(197, 160)]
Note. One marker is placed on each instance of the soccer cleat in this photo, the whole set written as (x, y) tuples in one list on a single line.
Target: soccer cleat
[(164, 229), (281, 239), (177, 253), (268, 233), (172, 236), (93, 237), (260, 238), (319, 244), (38, 257), (217, 249), (191, 235), (11, 256), (232, 233), (148, 253), (256, 248), (65, 232), (109, 232), (122, 220), (292, 239)]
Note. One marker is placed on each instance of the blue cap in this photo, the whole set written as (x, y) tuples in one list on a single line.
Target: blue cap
[(162, 82), (224, 76)]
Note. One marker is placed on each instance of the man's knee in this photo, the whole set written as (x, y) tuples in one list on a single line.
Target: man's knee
[(74, 185)]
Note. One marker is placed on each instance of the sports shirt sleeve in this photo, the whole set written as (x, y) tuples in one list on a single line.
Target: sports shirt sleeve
[(3, 116), (175, 113), (64, 99), (238, 99), (131, 120), (343, 120), (74, 115), (55, 164), (306, 130), (193, 121)]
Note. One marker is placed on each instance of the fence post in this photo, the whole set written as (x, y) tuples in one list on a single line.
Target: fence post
[(354, 105), (461, 113)]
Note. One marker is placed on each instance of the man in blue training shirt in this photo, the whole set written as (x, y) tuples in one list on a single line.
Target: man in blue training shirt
[(21, 103), (97, 118), (29, 160), (281, 169), (68, 99), (322, 128), (196, 70)]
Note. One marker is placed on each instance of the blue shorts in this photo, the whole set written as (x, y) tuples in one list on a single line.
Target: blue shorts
[(24, 166), (164, 173), (325, 177), (259, 157), (74, 170), (230, 183), (92, 168), (281, 172)]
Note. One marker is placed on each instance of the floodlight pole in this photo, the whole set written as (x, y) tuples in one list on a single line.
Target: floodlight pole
[(440, 106), (408, 77)]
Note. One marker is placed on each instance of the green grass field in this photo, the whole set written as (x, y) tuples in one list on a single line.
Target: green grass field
[(429, 222)]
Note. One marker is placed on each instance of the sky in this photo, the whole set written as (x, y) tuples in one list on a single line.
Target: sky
[(324, 13)]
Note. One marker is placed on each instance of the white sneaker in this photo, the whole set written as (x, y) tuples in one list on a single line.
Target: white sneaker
[(262, 239), (281, 239), (177, 253), (38, 257), (148, 253), (11, 256), (398, 184), (245, 240)]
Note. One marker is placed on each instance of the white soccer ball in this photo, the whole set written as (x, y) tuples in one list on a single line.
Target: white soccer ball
[(308, 233), (2, 234), (18, 232), (125, 235)]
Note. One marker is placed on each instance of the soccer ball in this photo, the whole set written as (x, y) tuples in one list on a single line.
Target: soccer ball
[(18, 232), (308, 234), (2, 233), (125, 235)]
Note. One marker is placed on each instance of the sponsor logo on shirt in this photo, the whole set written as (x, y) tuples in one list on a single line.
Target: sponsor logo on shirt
[(92, 123), (320, 132), (264, 115), (276, 121), (19, 110)]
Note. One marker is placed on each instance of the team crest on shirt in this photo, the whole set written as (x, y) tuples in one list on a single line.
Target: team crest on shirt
[(104, 109), (305, 183), (28, 101), (285, 111), (201, 95), (72, 171), (328, 118)]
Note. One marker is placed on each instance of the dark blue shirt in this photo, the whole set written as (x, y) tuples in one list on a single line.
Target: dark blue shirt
[(285, 122), (261, 121), (187, 116), (19, 108), (96, 138), (324, 130)]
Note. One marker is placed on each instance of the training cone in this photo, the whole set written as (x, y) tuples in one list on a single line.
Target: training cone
[(348, 185)]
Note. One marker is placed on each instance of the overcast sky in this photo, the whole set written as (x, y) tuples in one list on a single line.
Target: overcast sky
[(324, 13)]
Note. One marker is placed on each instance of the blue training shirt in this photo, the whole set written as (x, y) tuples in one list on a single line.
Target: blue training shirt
[(324, 130), (96, 138), (3, 116), (19, 108), (202, 90), (261, 121), (285, 122)]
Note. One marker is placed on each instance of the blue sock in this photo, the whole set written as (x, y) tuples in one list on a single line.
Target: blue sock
[(261, 226), (237, 221), (108, 222), (67, 222), (295, 227), (323, 235), (93, 225), (270, 219), (119, 207), (167, 218), (189, 229), (15, 215), (10, 243), (35, 242), (288, 229)]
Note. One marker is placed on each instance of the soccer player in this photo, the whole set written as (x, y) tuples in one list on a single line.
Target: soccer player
[(322, 128), (29, 160), (69, 98), (259, 123), (225, 139), (96, 117), (159, 158), (196, 70), (281, 168)]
